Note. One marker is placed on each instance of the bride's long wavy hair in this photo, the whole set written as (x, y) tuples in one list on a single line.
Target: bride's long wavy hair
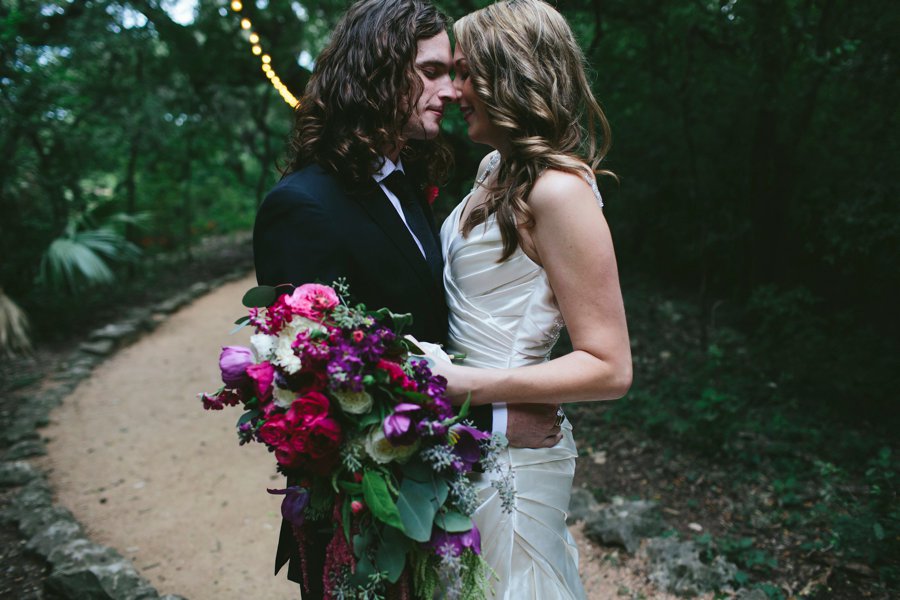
[(529, 71), (353, 107)]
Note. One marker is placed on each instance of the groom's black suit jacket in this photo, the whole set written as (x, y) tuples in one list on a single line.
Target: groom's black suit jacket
[(314, 228)]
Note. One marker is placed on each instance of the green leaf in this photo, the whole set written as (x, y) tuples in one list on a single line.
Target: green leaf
[(879, 531), (361, 542), (370, 418), (464, 409), (345, 518), (418, 503), (259, 297), (399, 321), (379, 500), (238, 327), (247, 416), (391, 554), (453, 522), (243, 320), (351, 487), (418, 470)]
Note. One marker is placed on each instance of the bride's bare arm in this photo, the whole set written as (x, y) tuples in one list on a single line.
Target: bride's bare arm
[(571, 240)]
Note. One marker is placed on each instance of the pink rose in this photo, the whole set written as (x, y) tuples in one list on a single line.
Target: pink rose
[(262, 374), (311, 406), (312, 300)]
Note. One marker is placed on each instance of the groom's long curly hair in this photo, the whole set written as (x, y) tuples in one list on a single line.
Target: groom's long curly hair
[(527, 68), (363, 91)]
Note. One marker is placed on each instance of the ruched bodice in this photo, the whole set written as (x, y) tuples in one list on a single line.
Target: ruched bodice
[(501, 314)]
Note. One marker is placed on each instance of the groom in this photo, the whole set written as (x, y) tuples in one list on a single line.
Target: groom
[(365, 149)]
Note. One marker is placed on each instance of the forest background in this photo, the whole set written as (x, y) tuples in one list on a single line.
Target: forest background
[(756, 219)]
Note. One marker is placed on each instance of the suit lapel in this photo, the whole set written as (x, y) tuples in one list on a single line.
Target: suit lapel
[(382, 212)]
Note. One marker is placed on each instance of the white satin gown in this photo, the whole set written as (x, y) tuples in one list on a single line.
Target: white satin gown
[(505, 315)]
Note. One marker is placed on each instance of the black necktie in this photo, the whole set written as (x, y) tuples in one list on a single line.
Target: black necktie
[(416, 219)]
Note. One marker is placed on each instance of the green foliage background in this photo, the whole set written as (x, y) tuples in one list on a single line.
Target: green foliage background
[(756, 143)]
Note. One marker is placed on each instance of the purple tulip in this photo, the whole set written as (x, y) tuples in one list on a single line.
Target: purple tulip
[(467, 446), (233, 361), (444, 542), (293, 507), (398, 426)]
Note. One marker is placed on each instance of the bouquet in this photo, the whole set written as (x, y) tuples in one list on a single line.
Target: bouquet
[(367, 438)]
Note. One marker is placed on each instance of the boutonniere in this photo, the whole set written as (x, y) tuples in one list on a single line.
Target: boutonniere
[(431, 193)]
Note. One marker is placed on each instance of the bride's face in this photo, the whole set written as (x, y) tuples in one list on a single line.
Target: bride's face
[(474, 111)]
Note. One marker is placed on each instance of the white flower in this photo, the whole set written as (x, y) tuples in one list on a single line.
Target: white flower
[(299, 324), (263, 346), (283, 398), (354, 403), (284, 355), (383, 451)]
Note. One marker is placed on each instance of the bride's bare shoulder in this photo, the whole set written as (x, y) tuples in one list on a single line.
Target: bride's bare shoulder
[(555, 189)]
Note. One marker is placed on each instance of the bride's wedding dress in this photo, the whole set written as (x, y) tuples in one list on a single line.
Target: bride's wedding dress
[(505, 315)]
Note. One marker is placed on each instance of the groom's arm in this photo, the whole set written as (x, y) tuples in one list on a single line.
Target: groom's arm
[(293, 241)]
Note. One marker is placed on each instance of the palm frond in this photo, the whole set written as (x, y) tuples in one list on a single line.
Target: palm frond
[(68, 263), (13, 327)]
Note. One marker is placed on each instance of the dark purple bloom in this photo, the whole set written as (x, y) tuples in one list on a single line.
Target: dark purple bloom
[(467, 445), (293, 507), (455, 543), (233, 361), (398, 426)]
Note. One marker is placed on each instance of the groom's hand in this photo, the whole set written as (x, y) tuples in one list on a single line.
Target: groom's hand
[(532, 425)]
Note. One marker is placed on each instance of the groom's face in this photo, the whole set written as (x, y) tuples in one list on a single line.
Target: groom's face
[(432, 65)]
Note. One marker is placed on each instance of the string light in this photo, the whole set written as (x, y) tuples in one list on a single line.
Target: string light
[(265, 59)]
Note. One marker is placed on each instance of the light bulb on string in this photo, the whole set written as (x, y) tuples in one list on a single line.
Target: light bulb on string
[(246, 24), (237, 6), (257, 50)]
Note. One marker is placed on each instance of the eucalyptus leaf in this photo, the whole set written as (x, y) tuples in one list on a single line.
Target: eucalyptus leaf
[(418, 503), (418, 470), (259, 297), (390, 557), (453, 522)]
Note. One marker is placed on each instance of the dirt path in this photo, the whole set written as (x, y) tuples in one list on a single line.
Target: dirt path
[(147, 471)]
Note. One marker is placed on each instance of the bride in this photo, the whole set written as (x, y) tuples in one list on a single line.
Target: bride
[(527, 252)]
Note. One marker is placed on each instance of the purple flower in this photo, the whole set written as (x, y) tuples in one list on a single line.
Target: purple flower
[(454, 543), (233, 361), (467, 444), (293, 507), (398, 426)]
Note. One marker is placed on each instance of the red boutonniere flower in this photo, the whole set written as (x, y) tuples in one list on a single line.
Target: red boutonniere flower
[(431, 193)]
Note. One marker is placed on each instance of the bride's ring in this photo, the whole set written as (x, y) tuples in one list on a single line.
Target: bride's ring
[(560, 415)]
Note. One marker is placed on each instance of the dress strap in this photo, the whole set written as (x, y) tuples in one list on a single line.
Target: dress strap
[(492, 164), (592, 181)]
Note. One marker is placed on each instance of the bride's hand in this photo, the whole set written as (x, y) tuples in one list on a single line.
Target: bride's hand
[(458, 382)]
